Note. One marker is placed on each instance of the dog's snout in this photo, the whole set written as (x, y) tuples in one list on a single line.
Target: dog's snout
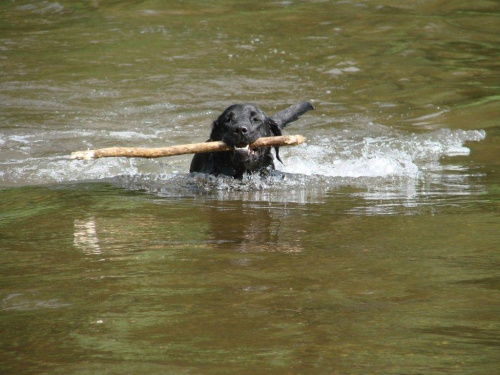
[(241, 129)]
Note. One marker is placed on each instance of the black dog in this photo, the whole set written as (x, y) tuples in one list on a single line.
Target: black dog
[(239, 126)]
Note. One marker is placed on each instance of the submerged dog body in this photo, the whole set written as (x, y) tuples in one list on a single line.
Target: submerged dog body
[(239, 126)]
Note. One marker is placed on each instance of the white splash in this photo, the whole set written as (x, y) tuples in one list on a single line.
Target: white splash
[(362, 150), (358, 155)]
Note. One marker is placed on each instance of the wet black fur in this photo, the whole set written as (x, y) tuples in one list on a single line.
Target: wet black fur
[(240, 125)]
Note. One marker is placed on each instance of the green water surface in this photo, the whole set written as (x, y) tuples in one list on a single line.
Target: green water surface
[(99, 279)]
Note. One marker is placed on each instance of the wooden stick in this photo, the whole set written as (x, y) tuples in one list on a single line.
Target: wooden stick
[(192, 148)]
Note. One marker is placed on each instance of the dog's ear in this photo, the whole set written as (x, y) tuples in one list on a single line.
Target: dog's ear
[(217, 131), (291, 114), (276, 131), (275, 128)]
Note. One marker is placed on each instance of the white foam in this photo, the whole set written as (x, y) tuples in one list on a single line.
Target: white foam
[(402, 155), (366, 150)]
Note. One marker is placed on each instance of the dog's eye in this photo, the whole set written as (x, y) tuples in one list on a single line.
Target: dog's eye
[(255, 119), (229, 119)]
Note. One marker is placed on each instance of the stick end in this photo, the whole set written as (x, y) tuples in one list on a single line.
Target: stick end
[(300, 139), (294, 140), (83, 155)]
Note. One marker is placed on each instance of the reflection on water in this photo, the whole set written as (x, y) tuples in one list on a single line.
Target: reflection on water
[(86, 236), (373, 249)]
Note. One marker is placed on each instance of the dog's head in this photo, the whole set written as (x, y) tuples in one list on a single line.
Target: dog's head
[(239, 126)]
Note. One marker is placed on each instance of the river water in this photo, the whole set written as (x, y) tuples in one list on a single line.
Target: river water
[(375, 251)]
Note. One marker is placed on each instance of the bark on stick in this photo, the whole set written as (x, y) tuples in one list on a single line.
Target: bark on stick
[(192, 148)]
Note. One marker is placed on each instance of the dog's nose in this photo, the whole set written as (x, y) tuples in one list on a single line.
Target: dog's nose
[(241, 129)]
